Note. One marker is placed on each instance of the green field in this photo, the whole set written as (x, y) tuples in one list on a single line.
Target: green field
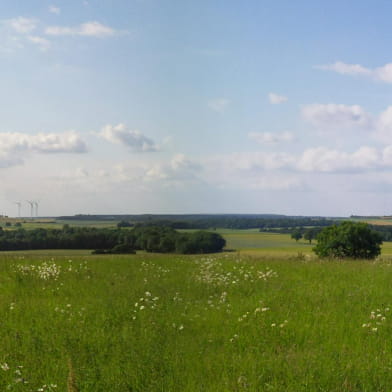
[(269, 317), (253, 240)]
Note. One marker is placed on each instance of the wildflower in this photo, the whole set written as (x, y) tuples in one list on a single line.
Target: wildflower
[(5, 366)]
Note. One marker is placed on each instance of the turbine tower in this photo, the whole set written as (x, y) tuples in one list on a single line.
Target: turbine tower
[(31, 207), (36, 207), (19, 204)]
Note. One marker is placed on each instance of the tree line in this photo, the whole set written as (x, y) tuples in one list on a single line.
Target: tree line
[(311, 233), (208, 221), (151, 239)]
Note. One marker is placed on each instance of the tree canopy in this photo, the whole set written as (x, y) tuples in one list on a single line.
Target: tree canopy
[(148, 238), (348, 240)]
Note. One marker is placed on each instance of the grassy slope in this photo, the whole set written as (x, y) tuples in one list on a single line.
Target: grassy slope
[(206, 331)]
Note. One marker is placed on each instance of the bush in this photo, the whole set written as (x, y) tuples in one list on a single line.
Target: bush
[(200, 242), (349, 239), (124, 223)]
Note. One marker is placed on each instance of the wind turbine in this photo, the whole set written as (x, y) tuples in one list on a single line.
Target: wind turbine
[(36, 207), (19, 204), (31, 207)]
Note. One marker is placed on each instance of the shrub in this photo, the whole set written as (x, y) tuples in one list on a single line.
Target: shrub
[(349, 239)]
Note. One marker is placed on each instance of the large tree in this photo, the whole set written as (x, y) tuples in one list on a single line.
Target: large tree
[(309, 235), (349, 239), (296, 235)]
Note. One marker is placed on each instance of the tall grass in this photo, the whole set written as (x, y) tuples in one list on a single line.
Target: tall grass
[(195, 323)]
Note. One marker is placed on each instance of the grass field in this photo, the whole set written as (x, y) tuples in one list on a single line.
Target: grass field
[(228, 322), (269, 317), (269, 243)]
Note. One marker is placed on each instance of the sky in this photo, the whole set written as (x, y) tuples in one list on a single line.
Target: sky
[(208, 106)]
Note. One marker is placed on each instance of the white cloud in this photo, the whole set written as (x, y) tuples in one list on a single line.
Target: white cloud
[(335, 116), (383, 73), (276, 99), (249, 165), (54, 10), (88, 29), (322, 159), (270, 137), (384, 126), (133, 139), (345, 69), (22, 25), (41, 42), (180, 168), (69, 142), (219, 104)]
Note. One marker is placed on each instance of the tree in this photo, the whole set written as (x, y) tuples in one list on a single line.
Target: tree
[(296, 235), (124, 223), (309, 235), (349, 239)]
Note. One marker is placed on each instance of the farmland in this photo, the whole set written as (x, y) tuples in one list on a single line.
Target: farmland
[(269, 317)]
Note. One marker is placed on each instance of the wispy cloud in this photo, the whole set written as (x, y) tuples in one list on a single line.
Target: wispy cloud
[(22, 25), (276, 99), (336, 116), (88, 29), (218, 104), (383, 73), (20, 32), (321, 159), (180, 168), (43, 43), (271, 138), (133, 139), (54, 9), (311, 160), (345, 69)]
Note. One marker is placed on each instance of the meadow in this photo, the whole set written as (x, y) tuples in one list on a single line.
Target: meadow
[(270, 317)]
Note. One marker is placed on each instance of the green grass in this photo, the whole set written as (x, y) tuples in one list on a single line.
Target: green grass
[(270, 242), (195, 323)]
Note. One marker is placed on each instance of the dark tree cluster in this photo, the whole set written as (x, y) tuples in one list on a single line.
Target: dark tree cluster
[(385, 231), (150, 239), (348, 240), (307, 233), (264, 222)]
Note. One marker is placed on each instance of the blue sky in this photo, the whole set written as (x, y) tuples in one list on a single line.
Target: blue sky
[(146, 106)]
